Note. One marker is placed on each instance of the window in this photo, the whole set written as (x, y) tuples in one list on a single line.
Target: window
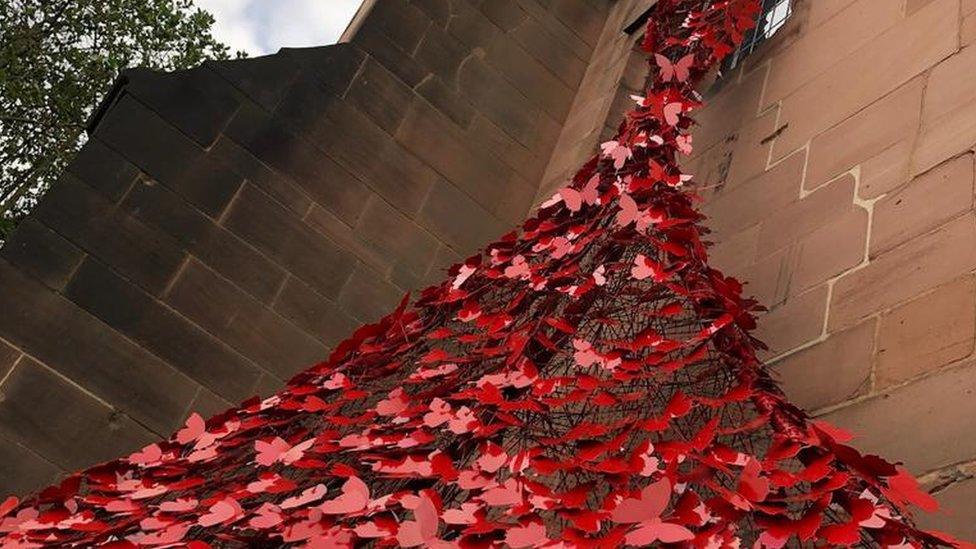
[(772, 17)]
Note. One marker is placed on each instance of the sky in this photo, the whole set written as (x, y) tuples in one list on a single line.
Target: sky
[(262, 26)]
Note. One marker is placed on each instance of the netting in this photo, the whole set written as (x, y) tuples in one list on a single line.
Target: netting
[(588, 381)]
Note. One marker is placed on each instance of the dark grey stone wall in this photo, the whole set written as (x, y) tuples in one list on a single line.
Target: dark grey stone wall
[(225, 226)]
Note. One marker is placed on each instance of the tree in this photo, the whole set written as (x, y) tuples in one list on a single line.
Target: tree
[(58, 58)]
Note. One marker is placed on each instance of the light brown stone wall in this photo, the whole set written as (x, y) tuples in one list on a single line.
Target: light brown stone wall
[(838, 169)]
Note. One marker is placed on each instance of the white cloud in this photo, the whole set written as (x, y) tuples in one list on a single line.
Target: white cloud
[(262, 26)]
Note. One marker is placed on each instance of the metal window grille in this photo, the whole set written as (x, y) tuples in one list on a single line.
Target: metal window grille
[(772, 17)]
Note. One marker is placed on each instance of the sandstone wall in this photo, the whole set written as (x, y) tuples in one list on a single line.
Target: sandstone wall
[(838, 169), (225, 225)]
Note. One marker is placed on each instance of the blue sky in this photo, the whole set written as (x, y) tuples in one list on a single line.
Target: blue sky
[(262, 26)]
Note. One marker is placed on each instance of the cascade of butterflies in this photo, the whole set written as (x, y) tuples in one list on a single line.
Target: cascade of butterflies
[(587, 381)]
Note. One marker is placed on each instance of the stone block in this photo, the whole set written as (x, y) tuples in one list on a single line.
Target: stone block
[(359, 146), (23, 470), (263, 79), (103, 169), (735, 252), (436, 140), (367, 296), (882, 65), (957, 514), (242, 323), (830, 250), (794, 221), (948, 126), (927, 333), (146, 140), (886, 170), (537, 83), (824, 46), (539, 42), (438, 11), (142, 254), (308, 310), (505, 14), (390, 55), (326, 223), (752, 201), (832, 371), (334, 66), (399, 20), (927, 202), (196, 101), (794, 323), (288, 241), (378, 93), (208, 404), (160, 330), (220, 249), (78, 346), (496, 98), (316, 174), (400, 239), (274, 184), (9, 356), (32, 414), (457, 220), (904, 272), (442, 55), (891, 120), (750, 153), (446, 100), (563, 34), (768, 279), (927, 424), (42, 253)]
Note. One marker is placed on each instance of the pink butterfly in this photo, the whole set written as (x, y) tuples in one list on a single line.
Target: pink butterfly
[(680, 70), (355, 496)]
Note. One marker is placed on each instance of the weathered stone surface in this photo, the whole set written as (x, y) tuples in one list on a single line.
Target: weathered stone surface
[(262, 79), (957, 513), (397, 236), (752, 201), (768, 279), (224, 252), (32, 413), (9, 356), (889, 121), (42, 253), (832, 371), (141, 253), (794, 221), (23, 470), (103, 169), (316, 174), (307, 309), (380, 94), (155, 327), (906, 271), (196, 101), (886, 62), (927, 333), (368, 296), (825, 45), (831, 250), (276, 185), (794, 323), (927, 202), (457, 220), (288, 241), (948, 126), (927, 424), (90, 353), (242, 323)]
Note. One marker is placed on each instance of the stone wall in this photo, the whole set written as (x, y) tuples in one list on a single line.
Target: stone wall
[(224, 226), (838, 169)]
